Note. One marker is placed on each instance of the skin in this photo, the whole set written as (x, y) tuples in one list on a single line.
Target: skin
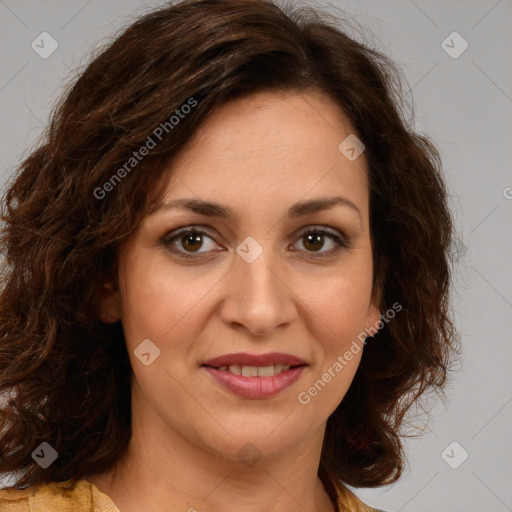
[(257, 156)]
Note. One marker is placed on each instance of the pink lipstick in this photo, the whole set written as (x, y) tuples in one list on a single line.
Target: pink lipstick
[(255, 376)]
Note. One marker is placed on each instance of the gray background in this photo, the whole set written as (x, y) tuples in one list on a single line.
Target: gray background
[(464, 104)]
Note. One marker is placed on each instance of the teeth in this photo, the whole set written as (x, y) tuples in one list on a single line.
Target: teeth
[(265, 371), (249, 371), (255, 371), (236, 369)]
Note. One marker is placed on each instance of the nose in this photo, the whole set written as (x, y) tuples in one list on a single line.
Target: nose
[(258, 298)]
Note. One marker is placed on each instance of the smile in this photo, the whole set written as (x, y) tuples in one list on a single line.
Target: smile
[(255, 371), (255, 376)]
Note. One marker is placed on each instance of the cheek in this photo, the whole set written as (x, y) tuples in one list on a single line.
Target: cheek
[(340, 302), (338, 313), (159, 303)]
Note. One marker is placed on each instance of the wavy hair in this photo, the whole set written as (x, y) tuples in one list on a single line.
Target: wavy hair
[(64, 375)]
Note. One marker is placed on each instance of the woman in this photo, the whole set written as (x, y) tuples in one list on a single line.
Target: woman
[(226, 275)]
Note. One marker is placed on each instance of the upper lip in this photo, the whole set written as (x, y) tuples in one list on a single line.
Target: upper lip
[(246, 359)]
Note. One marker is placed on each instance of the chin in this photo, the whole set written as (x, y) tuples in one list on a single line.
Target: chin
[(253, 436)]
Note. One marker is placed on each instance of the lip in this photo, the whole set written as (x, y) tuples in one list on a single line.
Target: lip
[(246, 359), (256, 387)]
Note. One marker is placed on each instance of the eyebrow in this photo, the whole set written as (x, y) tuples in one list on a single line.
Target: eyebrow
[(212, 209)]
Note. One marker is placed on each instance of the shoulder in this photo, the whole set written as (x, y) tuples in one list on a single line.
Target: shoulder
[(349, 501), (68, 496)]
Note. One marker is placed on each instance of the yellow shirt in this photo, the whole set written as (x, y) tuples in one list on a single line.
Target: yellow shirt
[(84, 497), (57, 497)]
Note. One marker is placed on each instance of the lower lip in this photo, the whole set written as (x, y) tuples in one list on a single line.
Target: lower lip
[(256, 387)]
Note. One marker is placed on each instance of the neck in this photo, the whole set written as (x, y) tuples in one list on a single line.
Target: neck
[(168, 472)]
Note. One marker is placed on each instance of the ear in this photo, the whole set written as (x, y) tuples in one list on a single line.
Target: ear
[(109, 301), (373, 317)]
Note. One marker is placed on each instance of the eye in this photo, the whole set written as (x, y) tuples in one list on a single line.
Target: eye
[(188, 241), (314, 240)]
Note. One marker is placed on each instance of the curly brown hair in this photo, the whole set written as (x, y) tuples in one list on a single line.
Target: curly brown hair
[(65, 375)]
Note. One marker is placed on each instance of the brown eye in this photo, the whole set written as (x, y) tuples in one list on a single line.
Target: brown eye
[(192, 241), (189, 241), (315, 240)]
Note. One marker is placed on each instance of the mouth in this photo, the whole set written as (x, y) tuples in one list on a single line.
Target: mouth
[(244, 359), (255, 371), (255, 376)]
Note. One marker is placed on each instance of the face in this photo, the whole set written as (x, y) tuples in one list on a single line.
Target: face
[(267, 278)]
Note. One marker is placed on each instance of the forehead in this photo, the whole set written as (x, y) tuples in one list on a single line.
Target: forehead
[(269, 149)]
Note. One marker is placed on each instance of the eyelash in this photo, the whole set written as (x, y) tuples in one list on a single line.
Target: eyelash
[(168, 240)]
